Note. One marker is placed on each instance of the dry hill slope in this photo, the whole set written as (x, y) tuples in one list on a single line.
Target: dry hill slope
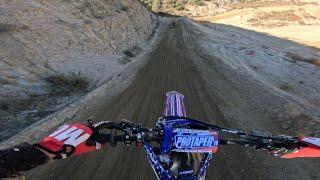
[(48, 48)]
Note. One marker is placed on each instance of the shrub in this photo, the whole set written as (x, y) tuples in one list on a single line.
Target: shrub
[(4, 27), (128, 52), (200, 3), (133, 51), (185, 1), (285, 86), (122, 7), (178, 6), (63, 84)]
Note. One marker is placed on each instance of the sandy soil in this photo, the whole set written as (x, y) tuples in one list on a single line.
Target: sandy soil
[(218, 87), (300, 23)]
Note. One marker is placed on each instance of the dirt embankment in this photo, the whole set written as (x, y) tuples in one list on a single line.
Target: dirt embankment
[(61, 49), (39, 37)]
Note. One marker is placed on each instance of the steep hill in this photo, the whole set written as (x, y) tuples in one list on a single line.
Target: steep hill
[(50, 48), (38, 37)]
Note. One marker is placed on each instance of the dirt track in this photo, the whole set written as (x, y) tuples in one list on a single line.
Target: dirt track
[(171, 67)]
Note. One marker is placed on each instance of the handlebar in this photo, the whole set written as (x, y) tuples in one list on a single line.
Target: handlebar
[(132, 132), (276, 145), (127, 139)]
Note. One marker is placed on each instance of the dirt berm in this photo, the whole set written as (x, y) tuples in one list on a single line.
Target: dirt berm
[(175, 65)]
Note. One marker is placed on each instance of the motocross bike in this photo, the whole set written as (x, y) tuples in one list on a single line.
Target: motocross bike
[(181, 148)]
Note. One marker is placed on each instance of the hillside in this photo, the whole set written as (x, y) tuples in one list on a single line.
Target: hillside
[(297, 20), (59, 48), (198, 8)]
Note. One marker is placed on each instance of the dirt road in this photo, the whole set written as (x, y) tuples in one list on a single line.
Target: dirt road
[(171, 67)]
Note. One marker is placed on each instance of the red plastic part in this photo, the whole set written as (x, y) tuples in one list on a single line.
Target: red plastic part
[(312, 150), (306, 152), (53, 144)]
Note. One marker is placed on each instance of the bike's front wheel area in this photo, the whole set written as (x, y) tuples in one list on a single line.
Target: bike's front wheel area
[(184, 164)]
